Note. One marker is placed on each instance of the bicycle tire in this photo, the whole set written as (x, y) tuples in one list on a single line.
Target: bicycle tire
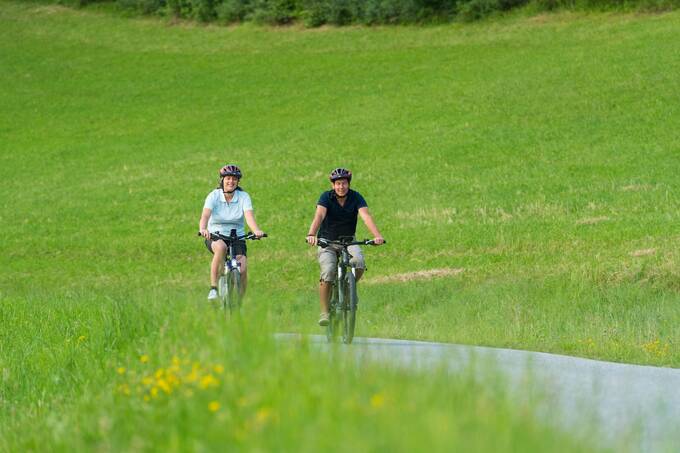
[(222, 290), (234, 291), (333, 319), (344, 306), (351, 312)]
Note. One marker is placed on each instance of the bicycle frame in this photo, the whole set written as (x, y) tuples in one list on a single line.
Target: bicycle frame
[(229, 284), (344, 300)]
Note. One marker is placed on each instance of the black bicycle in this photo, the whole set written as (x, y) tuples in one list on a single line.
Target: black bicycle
[(342, 310), (229, 282)]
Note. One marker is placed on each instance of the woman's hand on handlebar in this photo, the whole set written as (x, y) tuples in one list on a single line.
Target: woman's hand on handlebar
[(205, 233), (259, 233), (378, 240)]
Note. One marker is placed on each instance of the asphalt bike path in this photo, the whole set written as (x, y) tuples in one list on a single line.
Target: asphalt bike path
[(631, 405)]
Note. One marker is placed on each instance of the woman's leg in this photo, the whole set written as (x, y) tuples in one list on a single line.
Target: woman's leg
[(219, 249), (244, 272)]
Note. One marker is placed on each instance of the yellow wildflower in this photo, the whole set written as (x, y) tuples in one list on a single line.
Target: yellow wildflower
[(208, 381), (192, 377), (81, 338), (219, 369), (162, 383), (144, 358), (214, 406), (263, 415), (121, 370), (377, 400)]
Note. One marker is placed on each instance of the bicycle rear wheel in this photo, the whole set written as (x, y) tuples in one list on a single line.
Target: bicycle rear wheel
[(234, 291)]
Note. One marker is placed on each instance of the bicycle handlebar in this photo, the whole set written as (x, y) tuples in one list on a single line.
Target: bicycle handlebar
[(323, 242), (218, 236)]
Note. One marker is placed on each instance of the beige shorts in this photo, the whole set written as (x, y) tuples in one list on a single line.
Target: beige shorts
[(328, 260)]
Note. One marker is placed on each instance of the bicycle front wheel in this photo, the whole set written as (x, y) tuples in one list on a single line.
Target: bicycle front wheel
[(333, 327), (222, 290), (234, 291), (350, 313)]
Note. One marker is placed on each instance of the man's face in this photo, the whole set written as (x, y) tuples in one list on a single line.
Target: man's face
[(341, 187)]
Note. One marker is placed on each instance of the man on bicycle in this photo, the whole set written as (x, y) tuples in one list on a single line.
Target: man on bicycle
[(336, 217)]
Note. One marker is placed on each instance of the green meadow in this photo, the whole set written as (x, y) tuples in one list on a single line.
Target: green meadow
[(523, 171)]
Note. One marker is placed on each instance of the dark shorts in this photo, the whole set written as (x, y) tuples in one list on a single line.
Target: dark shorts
[(239, 247)]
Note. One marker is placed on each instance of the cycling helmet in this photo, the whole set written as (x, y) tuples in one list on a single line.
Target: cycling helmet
[(340, 173), (231, 170)]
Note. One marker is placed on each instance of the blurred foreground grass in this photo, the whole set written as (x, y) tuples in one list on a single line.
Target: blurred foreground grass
[(113, 374)]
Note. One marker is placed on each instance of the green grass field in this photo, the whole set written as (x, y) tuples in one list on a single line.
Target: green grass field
[(533, 158)]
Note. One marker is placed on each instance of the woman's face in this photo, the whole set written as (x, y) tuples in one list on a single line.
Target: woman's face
[(229, 183)]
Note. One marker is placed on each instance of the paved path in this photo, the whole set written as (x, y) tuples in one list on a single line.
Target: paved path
[(637, 404)]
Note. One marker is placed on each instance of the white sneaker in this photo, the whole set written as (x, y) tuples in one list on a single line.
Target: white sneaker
[(323, 320), (212, 295)]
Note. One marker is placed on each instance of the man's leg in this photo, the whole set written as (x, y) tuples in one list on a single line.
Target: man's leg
[(328, 265), (357, 261), (324, 295)]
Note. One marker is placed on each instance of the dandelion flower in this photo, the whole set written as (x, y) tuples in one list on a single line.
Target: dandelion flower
[(144, 358), (214, 406), (121, 370), (377, 400), (163, 384), (263, 415), (208, 381), (81, 338)]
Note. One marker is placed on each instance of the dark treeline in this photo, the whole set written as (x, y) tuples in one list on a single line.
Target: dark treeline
[(314, 13)]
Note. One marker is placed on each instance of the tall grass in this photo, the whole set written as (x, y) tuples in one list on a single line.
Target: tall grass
[(147, 372)]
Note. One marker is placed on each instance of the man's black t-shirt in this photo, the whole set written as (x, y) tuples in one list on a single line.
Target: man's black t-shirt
[(340, 220)]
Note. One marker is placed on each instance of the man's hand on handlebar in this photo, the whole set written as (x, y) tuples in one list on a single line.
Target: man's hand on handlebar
[(312, 239), (205, 233), (378, 240)]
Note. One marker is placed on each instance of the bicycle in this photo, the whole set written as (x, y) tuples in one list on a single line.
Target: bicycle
[(342, 310), (229, 282)]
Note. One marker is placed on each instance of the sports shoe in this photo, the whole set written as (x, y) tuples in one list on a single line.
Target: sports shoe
[(323, 320), (212, 295)]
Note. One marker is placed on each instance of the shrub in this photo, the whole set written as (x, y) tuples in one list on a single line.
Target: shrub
[(315, 12), (472, 10), (179, 8), (142, 6), (230, 11), (273, 12), (203, 10)]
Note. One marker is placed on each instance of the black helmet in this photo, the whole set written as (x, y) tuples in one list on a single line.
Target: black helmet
[(340, 173)]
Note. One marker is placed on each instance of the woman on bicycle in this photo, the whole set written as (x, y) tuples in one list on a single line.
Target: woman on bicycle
[(226, 208), (336, 216)]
